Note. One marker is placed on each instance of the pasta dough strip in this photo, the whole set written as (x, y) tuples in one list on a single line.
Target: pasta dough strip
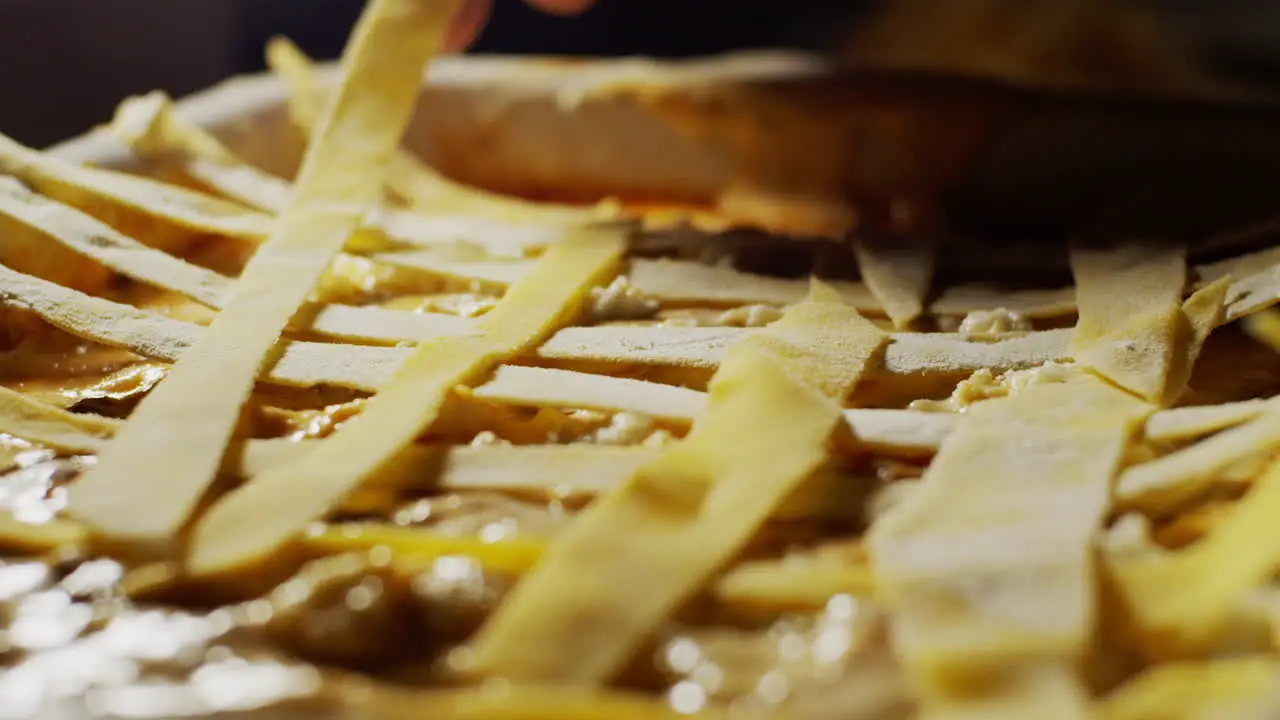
[(95, 190), (515, 702), (695, 506), (1129, 298), (411, 179), (98, 241), (1180, 600), (1197, 421), (989, 564), (690, 283), (366, 368), (1254, 277), (87, 236), (30, 420), (898, 276), (1164, 485), (152, 128), (236, 532), (1227, 687), (187, 425), (907, 354)]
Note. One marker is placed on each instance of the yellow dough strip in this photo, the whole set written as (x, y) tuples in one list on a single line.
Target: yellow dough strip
[(237, 532), (1237, 687), (908, 354), (1254, 277), (1129, 298), (115, 196), (97, 241), (542, 387), (1264, 326), (153, 129), (407, 176), (899, 273), (17, 536), (677, 282), (149, 334), (769, 585), (1179, 601), (494, 272), (1189, 423), (629, 560), (893, 432), (988, 566), (150, 478), (366, 368), (1163, 486), (53, 427), (507, 702)]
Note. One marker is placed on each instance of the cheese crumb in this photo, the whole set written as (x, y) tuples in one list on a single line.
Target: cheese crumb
[(624, 428), (750, 316), (999, 320), (985, 385), (621, 301), (487, 438)]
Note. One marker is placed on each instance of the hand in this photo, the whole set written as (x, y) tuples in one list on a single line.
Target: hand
[(474, 13)]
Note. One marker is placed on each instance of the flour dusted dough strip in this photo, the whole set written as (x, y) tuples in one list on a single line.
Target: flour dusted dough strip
[(1164, 485), (677, 282), (98, 241), (87, 236), (565, 469), (416, 182), (1180, 601), (366, 368), (151, 335), (779, 585), (93, 189), (1254, 278), (1239, 687), (1193, 422), (252, 522), (497, 273), (1199, 316), (629, 560), (53, 427), (1010, 505), (542, 387), (898, 275), (568, 470), (1129, 298), (307, 364), (151, 476), (907, 354), (152, 128), (148, 125)]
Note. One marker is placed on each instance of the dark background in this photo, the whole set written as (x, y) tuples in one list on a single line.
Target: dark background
[(64, 64)]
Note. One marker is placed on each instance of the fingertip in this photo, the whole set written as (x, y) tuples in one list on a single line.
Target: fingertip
[(563, 7), (467, 25)]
